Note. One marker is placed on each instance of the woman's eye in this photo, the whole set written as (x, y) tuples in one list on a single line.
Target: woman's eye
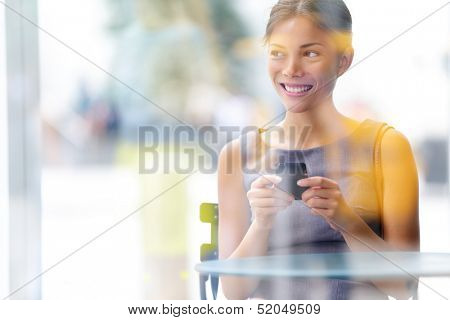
[(276, 54), (311, 54)]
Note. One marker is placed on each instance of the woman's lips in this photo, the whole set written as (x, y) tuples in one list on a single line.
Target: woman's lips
[(296, 90)]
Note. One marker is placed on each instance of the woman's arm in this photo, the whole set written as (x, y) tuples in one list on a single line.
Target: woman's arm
[(237, 237), (400, 209)]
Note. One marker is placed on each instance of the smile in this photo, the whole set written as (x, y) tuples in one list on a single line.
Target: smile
[(296, 90)]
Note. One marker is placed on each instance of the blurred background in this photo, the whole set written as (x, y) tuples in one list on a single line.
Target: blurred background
[(77, 80)]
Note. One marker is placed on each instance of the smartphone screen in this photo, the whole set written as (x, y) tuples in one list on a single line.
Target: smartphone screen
[(290, 174)]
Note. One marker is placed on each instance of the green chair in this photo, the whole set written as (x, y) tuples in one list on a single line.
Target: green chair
[(209, 213)]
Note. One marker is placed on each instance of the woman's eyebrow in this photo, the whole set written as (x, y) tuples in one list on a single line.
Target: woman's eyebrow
[(311, 44), (302, 46)]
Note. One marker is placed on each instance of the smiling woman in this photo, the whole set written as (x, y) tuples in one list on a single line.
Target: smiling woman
[(309, 64), (310, 47)]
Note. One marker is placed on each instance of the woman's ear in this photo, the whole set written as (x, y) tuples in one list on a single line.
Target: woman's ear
[(345, 61)]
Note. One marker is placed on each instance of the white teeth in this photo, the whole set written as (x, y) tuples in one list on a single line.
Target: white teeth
[(296, 89)]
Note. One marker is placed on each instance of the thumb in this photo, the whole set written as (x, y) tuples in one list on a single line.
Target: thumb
[(266, 180)]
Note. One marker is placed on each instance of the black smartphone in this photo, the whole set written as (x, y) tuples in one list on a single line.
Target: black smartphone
[(290, 174)]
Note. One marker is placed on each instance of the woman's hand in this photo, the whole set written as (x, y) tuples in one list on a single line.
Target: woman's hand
[(266, 200), (325, 198)]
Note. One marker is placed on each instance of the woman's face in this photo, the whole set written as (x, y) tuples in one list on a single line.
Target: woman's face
[(303, 63)]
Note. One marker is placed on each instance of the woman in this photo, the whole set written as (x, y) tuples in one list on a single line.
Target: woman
[(310, 47)]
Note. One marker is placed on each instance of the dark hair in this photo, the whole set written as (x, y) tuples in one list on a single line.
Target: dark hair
[(329, 15)]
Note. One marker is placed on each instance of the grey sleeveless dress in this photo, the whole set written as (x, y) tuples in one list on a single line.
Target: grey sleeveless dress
[(349, 161)]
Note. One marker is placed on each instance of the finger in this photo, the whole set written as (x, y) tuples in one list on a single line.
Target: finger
[(269, 193), (282, 192), (269, 202), (319, 192), (265, 181), (317, 182), (318, 203)]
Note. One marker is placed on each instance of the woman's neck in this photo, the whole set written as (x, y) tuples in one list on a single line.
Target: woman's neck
[(315, 127)]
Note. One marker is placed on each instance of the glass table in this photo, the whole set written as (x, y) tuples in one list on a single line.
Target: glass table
[(344, 265)]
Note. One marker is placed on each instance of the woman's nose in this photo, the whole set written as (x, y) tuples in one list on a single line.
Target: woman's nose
[(292, 69)]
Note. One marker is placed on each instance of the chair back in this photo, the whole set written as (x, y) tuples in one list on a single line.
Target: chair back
[(209, 213)]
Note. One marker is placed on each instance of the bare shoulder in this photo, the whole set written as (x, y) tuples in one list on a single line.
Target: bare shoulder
[(231, 150), (395, 145), (351, 124), (229, 160), (398, 163), (240, 151)]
